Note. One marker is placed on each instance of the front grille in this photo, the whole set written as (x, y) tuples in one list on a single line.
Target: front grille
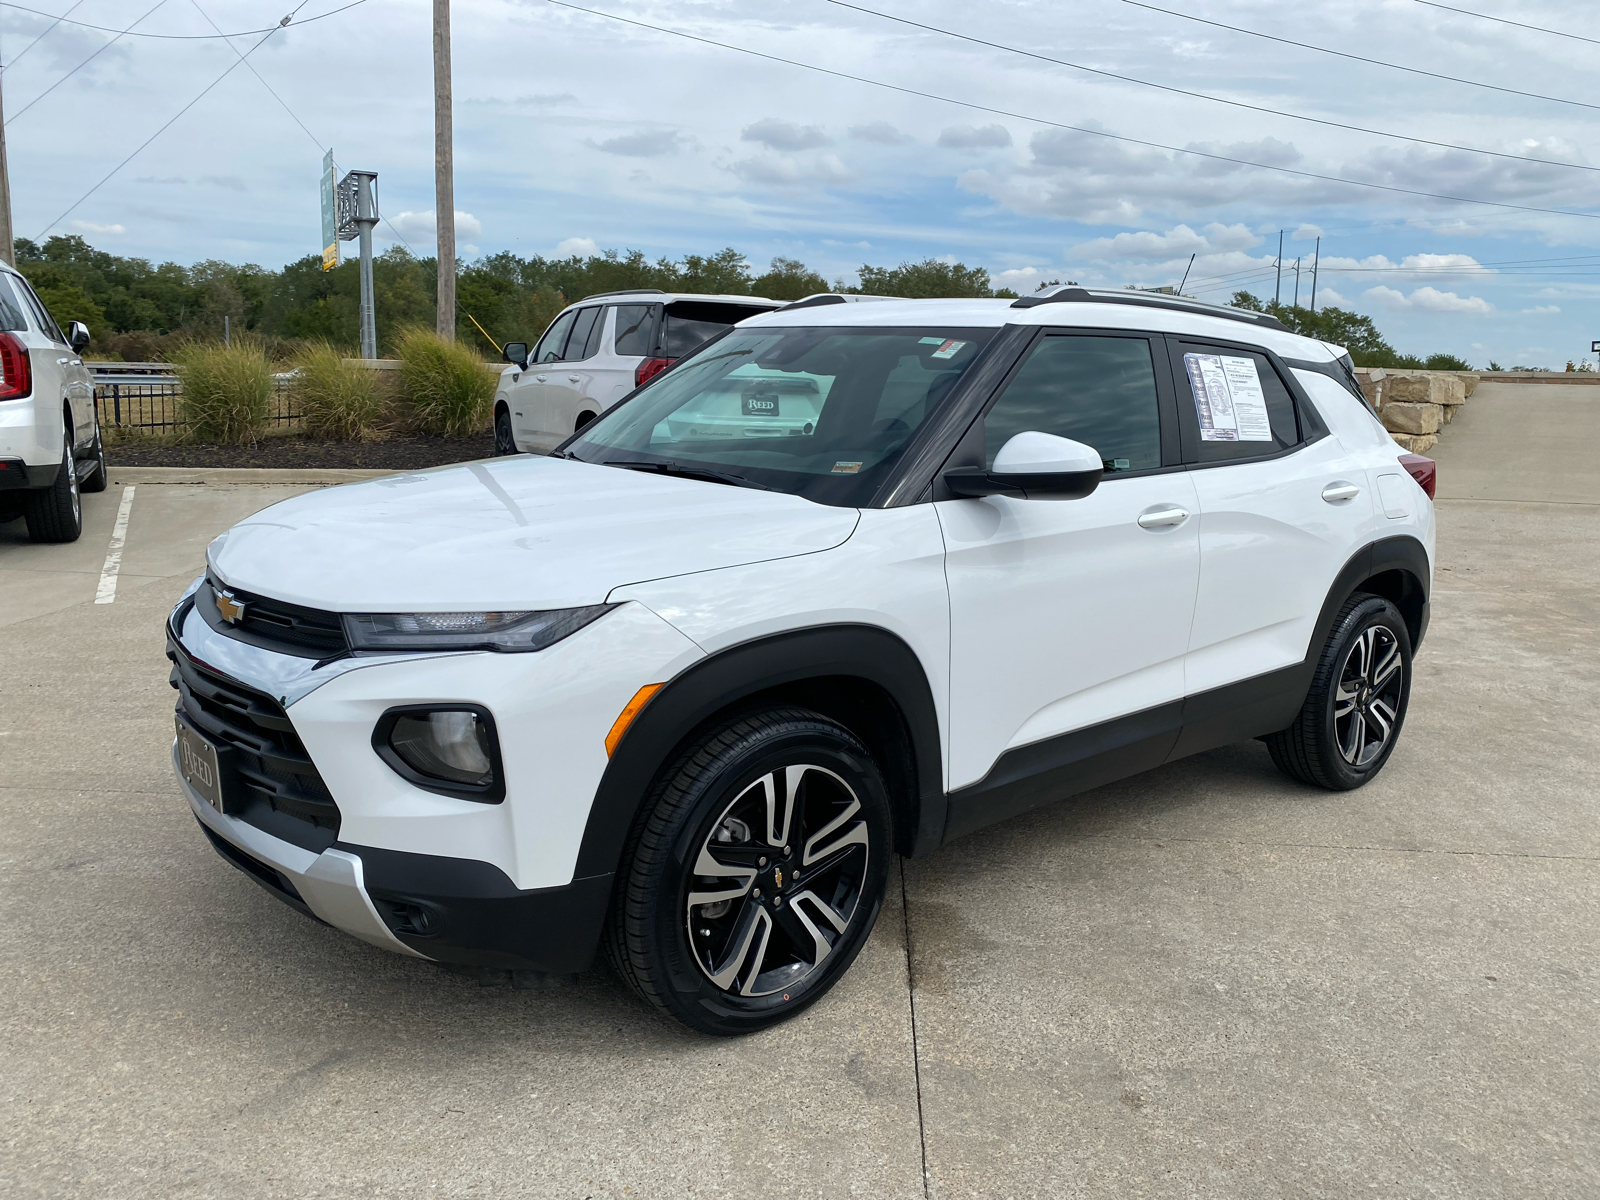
[(267, 778), (274, 624)]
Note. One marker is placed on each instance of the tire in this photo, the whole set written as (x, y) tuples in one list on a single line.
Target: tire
[(789, 910), (94, 478), (504, 443), (1353, 713), (55, 513)]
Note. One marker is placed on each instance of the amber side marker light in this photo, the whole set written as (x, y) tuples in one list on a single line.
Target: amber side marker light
[(626, 716)]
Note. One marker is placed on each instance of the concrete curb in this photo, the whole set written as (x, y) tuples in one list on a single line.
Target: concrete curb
[(235, 476)]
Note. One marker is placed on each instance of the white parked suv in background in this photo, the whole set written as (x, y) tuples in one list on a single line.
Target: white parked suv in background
[(50, 447), (849, 581), (596, 352)]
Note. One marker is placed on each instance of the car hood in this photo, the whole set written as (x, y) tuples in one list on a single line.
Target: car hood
[(510, 533)]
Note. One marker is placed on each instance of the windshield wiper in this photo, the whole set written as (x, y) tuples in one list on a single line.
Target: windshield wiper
[(672, 468)]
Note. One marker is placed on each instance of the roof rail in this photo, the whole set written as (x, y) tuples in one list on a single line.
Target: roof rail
[(625, 292), (818, 299), (1078, 295)]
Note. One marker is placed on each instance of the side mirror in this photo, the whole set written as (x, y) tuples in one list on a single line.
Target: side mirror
[(1033, 466), (77, 336), (515, 353)]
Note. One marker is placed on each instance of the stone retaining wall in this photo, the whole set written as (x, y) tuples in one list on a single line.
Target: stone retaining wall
[(1415, 405)]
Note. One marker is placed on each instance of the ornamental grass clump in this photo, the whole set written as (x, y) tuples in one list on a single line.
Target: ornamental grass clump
[(336, 397), (225, 392), (449, 390)]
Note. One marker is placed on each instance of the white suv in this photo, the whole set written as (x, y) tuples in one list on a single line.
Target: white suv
[(849, 581), (598, 351), (50, 448)]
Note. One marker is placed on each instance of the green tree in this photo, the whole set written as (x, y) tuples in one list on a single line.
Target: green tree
[(789, 279), (929, 279)]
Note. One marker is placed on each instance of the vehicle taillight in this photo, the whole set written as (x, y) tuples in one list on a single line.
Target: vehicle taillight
[(649, 369), (1424, 470), (16, 371)]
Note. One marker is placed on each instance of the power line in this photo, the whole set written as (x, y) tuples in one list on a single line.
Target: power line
[(80, 66), (171, 37), (48, 29), (1577, 37), (1178, 91), (1100, 133), (170, 120), (1377, 62)]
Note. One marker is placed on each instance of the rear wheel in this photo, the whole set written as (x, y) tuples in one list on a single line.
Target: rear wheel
[(754, 874), (1352, 715), (55, 513)]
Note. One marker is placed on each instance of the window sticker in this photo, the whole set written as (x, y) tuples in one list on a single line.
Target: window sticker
[(930, 341), (1228, 398), (846, 468), (948, 350)]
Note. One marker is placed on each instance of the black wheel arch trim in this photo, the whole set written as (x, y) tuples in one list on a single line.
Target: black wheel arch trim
[(892, 711)]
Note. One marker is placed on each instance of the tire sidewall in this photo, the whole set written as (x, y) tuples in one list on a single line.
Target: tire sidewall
[(1371, 611), (693, 997)]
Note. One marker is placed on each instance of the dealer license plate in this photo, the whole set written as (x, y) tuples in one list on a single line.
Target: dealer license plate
[(197, 762)]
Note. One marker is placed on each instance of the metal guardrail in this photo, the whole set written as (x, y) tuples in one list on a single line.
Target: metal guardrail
[(144, 396)]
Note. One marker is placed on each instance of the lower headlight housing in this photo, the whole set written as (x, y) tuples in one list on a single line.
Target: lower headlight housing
[(451, 749)]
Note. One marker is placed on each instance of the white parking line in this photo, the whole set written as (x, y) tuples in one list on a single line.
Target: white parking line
[(119, 534)]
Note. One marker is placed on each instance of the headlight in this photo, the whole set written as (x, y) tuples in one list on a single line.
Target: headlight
[(506, 631), (451, 749)]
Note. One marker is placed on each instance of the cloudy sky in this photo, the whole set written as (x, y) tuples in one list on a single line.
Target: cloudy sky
[(576, 131)]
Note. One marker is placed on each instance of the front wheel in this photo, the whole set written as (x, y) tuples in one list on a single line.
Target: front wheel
[(754, 874), (92, 476), (1352, 715), (504, 442)]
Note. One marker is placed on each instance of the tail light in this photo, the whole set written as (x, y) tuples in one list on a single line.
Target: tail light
[(649, 369), (1424, 470), (16, 369)]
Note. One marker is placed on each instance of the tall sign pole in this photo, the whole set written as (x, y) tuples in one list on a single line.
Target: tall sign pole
[(8, 247), (444, 170), (358, 213)]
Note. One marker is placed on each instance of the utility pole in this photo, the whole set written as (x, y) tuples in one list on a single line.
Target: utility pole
[(8, 246), (1297, 281), (444, 188), (1315, 263), (1277, 288)]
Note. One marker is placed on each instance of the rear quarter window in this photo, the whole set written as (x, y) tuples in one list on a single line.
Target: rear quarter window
[(689, 324)]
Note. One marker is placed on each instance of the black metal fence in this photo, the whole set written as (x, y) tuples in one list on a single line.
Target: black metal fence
[(144, 397)]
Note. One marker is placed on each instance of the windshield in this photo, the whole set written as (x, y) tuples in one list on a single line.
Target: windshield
[(817, 412)]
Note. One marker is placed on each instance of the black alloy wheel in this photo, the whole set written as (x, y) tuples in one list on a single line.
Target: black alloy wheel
[(55, 513), (92, 475), (754, 874), (1352, 715), (504, 442)]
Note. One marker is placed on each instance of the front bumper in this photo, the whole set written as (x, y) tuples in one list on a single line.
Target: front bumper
[(446, 909)]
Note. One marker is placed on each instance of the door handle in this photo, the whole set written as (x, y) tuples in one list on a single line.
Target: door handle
[(574, 378), (61, 362), (540, 378), (1163, 518), (1340, 490)]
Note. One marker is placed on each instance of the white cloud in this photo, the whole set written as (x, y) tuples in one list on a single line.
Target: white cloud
[(1178, 242), (420, 225), (975, 137), (1542, 310), (468, 250), (881, 132), (787, 171), (91, 227), (1328, 295), (644, 144), (580, 246), (777, 134), (1306, 233), (1428, 299)]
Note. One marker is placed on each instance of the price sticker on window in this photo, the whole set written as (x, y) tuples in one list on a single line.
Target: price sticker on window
[(1228, 398)]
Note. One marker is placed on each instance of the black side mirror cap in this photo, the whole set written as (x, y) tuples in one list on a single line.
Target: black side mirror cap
[(77, 336), (515, 353), (974, 482)]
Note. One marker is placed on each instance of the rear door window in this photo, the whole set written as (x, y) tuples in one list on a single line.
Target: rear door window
[(555, 338), (1100, 391), (1232, 404), (583, 329), (636, 329)]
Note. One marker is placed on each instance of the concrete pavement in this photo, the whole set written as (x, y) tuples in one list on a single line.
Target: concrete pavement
[(1205, 981)]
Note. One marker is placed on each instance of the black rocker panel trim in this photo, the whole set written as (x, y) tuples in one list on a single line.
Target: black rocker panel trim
[(477, 917), (1043, 772), (741, 674)]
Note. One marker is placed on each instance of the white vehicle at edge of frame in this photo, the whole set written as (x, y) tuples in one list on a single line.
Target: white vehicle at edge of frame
[(850, 580)]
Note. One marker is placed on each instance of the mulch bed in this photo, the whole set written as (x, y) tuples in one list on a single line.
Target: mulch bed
[(299, 453)]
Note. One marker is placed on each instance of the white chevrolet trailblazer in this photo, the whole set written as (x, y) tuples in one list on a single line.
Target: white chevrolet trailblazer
[(50, 449), (849, 581)]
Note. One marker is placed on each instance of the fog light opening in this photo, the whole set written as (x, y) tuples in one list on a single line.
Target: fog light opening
[(452, 750)]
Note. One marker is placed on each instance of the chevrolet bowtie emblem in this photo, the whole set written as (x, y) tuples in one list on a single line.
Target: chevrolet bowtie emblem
[(232, 610), (777, 876)]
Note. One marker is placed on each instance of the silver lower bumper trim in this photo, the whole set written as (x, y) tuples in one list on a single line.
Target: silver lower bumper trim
[(331, 883)]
